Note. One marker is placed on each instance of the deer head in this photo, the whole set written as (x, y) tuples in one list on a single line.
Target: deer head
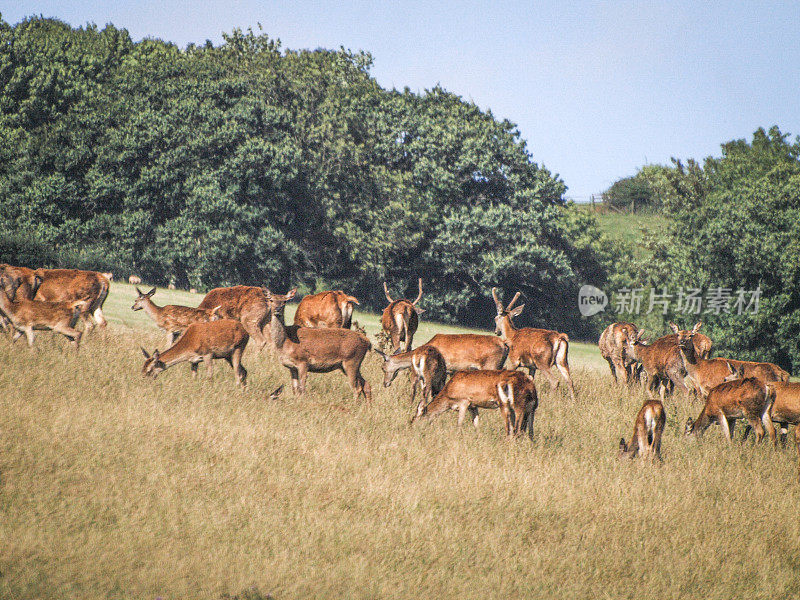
[(505, 313), (685, 337), (141, 301), (153, 365)]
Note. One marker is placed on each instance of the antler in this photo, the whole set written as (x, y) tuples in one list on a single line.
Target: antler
[(386, 291), (497, 302), (420, 293), (513, 300)]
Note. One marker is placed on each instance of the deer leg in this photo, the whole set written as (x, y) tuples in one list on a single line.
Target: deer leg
[(554, 382), (100, 317), (652, 384), (30, 335), (193, 367), (797, 447), (474, 413), (302, 376), (657, 443), (208, 359), (770, 427), (612, 366), (563, 367), (726, 430), (71, 334), (406, 340), (18, 333), (463, 406), (507, 420), (295, 380), (784, 433), (732, 427), (239, 372)]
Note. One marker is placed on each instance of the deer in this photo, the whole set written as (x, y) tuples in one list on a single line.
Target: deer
[(26, 316), (647, 431), (400, 319), (203, 342), (785, 398), (428, 370), (317, 349), (326, 309), (533, 348), (244, 303), (468, 351), (70, 285), (173, 318), (736, 398), (134, 280), (705, 374), (513, 392), (661, 361), (612, 343)]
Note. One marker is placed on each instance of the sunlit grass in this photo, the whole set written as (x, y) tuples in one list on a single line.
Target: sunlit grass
[(117, 486)]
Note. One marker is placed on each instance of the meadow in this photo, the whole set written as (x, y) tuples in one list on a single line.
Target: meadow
[(117, 486)]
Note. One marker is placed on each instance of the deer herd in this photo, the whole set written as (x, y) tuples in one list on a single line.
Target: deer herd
[(322, 339)]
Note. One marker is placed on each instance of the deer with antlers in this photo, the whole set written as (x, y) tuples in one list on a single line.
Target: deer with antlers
[(317, 350), (513, 392), (173, 318), (26, 316), (400, 319), (203, 342), (533, 348)]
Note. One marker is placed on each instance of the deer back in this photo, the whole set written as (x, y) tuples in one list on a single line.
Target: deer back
[(786, 401), (68, 285), (237, 300), (463, 351), (325, 309)]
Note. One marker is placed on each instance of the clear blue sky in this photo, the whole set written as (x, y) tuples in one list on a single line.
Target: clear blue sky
[(596, 88)]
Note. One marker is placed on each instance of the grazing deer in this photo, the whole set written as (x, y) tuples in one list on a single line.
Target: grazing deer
[(647, 430), (470, 390), (26, 316), (661, 361), (70, 285), (203, 342), (326, 309), (134, 280), (736, 398), (533, 348), (318, 350), (247, 304), (428, 370), (705, 374), (173, 318), (400, 319), (612, 343)]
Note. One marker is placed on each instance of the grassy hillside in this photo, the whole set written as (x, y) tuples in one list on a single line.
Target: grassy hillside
[(627, 228), (117, 486)]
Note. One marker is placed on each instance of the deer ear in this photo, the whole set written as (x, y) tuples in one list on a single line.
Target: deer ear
[(146, 355), (674, 327), (697, 326), (151, 292), (419, 310), (517, 311), (291, 294), (156, 354), (138, 291)]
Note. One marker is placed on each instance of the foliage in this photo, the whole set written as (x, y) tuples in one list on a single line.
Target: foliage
[(735, 223), (632, 193), (246, 163)]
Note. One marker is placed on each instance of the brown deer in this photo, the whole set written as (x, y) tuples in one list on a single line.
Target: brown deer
[(465, 351), (318, 350), (134, 280), (612, 343), (173, 318), (326, 309), (26, 316), (244, 303), (203, 342), (785, 398), (736, 398), (647, 431), (705, 374), (70, 285), (428, 370), (661, 361), (533, 348), (400, 319), (470, 390)]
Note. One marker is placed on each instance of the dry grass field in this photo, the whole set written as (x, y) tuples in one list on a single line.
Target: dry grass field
[(117, 486)]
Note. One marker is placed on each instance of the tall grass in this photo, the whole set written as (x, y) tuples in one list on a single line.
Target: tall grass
[(117, 486)]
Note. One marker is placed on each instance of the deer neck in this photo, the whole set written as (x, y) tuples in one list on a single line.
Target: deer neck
[(278, 331), (6, 305), (177, 353), (690, 360), (153, 311)]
